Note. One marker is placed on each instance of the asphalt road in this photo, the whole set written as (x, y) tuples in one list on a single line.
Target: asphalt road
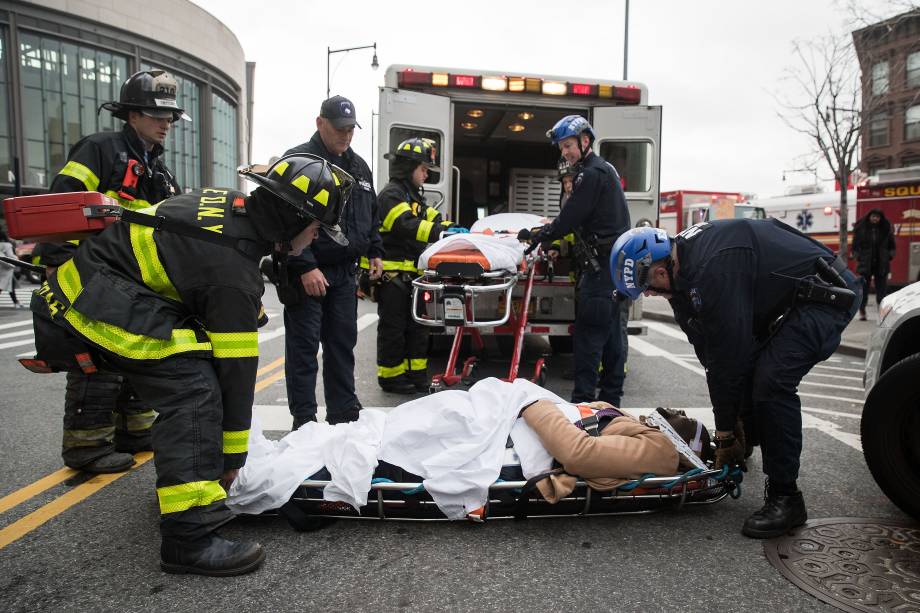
[(78, 545)]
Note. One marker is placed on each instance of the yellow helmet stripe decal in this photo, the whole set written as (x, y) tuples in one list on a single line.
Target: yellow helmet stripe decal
[(302, 182), (281, 167), (322, 197)]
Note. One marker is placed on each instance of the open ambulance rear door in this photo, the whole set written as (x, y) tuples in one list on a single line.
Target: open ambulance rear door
[(629, 137), (404, 114)]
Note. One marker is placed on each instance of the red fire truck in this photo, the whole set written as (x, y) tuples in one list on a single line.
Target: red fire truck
[(682, 208), (897, 193)]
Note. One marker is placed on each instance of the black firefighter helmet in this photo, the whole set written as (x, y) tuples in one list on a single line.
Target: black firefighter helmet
[(420, 150), (314, 188), (152, 92)]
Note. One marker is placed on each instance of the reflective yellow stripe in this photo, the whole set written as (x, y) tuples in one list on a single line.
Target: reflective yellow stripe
[(138, 422), (118, 340), (405, 265), (135, 205), (236, 442), (418, 364), (234, 344), (431, 213), (424, 231), (364, 263), (388, 372), (175, 498), (88, 438), (82, 174), (396, 211), (148, 260)]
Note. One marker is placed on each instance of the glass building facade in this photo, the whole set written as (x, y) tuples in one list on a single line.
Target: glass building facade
[(56, 72)]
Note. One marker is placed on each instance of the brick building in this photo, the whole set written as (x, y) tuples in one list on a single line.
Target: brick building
[(889, 57)]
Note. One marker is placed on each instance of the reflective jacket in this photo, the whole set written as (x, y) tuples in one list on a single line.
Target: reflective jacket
[(99, 163), (597, 207), (147, 294), (408, 225), (359, 221)]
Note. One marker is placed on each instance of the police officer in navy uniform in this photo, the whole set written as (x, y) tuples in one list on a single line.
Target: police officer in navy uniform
[(104, 424), (762, 304), (597, 212), (328, 308)]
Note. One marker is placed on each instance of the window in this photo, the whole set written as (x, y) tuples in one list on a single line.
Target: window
[(879, 78), (878, 129), (6, 158), (913, 69), (224, 142), (398, 134), (875, 167), (183, 145), (633, 162), (911, 160), (912, 123), (62, 87)]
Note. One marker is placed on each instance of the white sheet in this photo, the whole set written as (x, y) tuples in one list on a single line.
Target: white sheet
[(455, 440), (508, 222), (503, 251)]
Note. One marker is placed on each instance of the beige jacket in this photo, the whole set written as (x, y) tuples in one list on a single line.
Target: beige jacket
[(625, 450)]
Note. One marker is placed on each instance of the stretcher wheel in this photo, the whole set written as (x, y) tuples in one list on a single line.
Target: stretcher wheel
[(539, 373)]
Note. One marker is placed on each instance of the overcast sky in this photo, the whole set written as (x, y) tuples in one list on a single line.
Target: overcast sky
[(712, 66)]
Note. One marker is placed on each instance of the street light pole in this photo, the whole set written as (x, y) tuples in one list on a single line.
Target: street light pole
[(626, 41), (330, 52), (373, 152)]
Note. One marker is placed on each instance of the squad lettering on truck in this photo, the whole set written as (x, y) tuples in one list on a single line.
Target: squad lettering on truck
[(902, 191)]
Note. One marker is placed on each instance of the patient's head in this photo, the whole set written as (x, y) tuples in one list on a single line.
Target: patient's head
[(691, 430)]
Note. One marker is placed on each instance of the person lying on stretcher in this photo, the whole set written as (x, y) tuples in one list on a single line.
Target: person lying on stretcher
[(620, 448)]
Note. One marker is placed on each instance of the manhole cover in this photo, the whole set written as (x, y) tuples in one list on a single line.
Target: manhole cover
[(855, 564)]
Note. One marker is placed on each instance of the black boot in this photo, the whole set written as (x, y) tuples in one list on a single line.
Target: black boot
[(398, 387), (114, 462), (212, 555), (299, 421), (780, 513), (343, 417)]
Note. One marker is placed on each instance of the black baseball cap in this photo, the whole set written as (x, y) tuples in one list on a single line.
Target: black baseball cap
[(340, 111)]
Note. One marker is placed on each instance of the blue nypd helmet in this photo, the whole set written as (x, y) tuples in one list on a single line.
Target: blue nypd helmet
[(632, 256), (570, 125)]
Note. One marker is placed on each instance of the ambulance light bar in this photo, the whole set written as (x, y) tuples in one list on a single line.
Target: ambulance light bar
[(410, 79)]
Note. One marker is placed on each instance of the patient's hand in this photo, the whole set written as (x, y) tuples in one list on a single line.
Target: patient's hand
[(229, 476)]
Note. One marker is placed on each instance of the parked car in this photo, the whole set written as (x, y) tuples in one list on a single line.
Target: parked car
[(891, 414)]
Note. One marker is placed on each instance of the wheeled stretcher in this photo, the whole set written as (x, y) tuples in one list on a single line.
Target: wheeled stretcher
[(398, 495), (481, 282)]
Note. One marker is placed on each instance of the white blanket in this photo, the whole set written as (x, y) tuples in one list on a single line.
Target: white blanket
[(503, 251), (455, 440)]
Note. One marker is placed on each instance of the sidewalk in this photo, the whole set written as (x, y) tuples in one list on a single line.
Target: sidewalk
[(855, 337)]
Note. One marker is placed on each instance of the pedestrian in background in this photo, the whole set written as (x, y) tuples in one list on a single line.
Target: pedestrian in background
[(873, 248), (7, 276)]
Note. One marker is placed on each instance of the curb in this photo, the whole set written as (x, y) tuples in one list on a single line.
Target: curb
[(844, 348)]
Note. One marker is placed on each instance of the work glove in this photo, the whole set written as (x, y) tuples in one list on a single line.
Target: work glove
[(455, 230), (730, 450)]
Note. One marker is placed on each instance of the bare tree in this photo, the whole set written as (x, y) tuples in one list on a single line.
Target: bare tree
[(826, 108)]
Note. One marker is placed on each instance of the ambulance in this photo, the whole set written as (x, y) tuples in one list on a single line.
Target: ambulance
[(490, 132)]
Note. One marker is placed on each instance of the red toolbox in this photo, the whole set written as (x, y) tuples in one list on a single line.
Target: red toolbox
[(58, 217)]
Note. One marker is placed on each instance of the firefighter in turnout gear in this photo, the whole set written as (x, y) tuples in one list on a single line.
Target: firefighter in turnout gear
[(408, 225), (169, 297), (104, 423)]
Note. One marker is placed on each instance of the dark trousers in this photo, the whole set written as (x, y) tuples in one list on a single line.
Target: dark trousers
[(881, 288), (102, 414), (402, 343), (333, 321), (810, 334), (597, 340), (187, 440)]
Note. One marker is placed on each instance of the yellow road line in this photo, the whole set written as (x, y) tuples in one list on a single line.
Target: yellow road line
[(270, 367), (19, 496), (23, 526), (261, 385)]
